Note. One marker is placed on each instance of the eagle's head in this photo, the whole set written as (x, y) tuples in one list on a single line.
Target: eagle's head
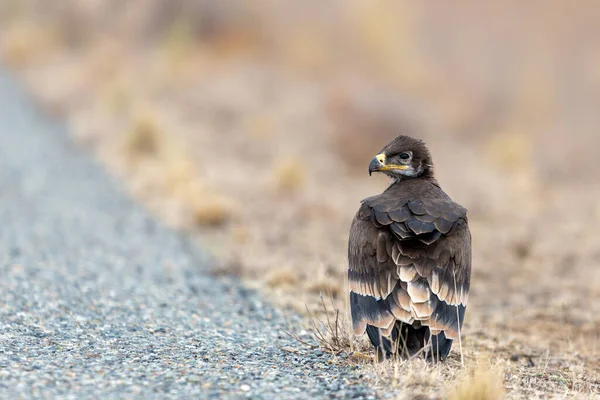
[(403, 158)]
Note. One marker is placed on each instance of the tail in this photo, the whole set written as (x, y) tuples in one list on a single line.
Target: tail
[(407, 341)]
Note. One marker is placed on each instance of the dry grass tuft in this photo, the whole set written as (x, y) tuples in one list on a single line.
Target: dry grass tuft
[(325, 285), (147, 147), (413, 379), (481, 383), (416, 378), (210, 212), (332, 331), (510, 150), (282, 277), (179, 41), (228, 268), (289, 175), (21, 44), (206, 207), (145, 138)]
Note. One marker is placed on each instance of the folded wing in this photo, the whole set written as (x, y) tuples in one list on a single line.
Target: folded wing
[(409, 260)]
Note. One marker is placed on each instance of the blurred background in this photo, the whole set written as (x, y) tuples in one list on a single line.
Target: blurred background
[(250, 125)]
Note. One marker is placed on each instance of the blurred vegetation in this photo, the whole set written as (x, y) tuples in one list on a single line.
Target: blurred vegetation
[(250, 123), (468, 69)]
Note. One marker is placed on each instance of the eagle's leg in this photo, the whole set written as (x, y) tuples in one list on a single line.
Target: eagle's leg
[(438, 348)]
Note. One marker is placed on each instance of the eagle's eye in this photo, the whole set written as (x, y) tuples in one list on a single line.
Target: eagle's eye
[(404, 156)]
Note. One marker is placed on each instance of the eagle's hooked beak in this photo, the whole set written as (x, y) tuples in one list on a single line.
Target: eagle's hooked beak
[(377, 163)]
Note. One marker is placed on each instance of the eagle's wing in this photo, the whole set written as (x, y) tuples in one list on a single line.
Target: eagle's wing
[(409, 261)]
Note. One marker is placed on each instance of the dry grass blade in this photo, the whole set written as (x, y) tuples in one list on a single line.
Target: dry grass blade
[(291, 334), (481, 383)]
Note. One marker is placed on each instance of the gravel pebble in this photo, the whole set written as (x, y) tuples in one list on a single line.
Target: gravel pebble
[(97, 299)]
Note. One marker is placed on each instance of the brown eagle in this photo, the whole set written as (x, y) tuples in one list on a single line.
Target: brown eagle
[(409, 256)]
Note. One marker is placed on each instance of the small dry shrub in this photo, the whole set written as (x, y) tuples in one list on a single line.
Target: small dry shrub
[(282, 277), (324, 285), (482, 383), (332, 331), (174, 173), (210, 212), (145, 137), (22, 44), (290, 175)]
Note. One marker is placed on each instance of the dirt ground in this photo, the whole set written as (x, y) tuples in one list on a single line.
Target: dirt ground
[(251, 127)]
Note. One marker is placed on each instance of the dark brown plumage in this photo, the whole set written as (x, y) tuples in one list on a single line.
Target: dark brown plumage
[(409, 258)]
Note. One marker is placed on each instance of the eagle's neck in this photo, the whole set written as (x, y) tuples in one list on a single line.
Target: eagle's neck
[(396, 182)]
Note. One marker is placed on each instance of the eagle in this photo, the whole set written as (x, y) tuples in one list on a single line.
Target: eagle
[(409, 256)]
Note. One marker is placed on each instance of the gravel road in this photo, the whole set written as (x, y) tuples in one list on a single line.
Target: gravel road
[(97, 299)]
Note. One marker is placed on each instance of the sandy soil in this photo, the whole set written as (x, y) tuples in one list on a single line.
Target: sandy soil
[(262, 155)]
